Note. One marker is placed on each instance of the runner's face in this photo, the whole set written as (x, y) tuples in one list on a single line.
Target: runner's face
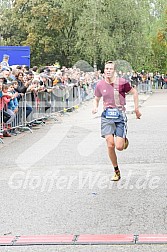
[(109, 70)]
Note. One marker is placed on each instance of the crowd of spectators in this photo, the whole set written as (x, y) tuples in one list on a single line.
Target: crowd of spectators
[(17, 81), (153, 80)]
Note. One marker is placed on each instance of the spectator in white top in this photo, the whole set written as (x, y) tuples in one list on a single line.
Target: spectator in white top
[(5, 60)]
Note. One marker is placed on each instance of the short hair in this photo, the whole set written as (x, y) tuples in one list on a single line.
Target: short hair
[(111, 62), (18, 67), (4, 86), (35, 68), (26, 67), (14, 82)]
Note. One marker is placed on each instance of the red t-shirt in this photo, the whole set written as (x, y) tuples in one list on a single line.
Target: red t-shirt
[(113, 94)]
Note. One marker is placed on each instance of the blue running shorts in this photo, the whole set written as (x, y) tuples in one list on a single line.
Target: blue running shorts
[(114, 126)]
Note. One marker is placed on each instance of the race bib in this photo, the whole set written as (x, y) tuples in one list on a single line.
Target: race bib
[(112, 113)]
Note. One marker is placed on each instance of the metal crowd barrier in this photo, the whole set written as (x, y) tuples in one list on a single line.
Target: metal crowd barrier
[(1, 120), (145, 87), (41, 105)]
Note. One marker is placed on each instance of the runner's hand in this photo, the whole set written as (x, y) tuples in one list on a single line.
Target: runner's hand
[(138, 114), (94, 111)]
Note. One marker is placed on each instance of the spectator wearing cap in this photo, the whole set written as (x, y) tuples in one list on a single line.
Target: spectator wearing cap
[(44, 80), (5, 60), (6, 74), (29, 75)]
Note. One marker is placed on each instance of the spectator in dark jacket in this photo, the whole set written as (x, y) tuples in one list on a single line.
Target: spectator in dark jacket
[(21, 89)]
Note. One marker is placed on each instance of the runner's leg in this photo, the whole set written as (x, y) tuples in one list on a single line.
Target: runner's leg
[(111, 149)]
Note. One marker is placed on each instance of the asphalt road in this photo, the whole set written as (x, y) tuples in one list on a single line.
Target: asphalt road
[(57, 180)]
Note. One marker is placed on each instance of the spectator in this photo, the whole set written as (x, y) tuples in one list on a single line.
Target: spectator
[(3, 106), (21, 89), (19, 67), (1, 79), (156, 80), (35, 70), (6, 73), (134, 80), (45, 83), (5, 60), (25, 68), (29, 76), (12, 107)]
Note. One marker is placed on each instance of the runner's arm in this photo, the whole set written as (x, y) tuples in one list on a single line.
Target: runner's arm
[(95, 104), (133, 91)]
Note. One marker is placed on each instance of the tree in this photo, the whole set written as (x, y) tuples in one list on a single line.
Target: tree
[(90, 30), (6, 4), (114, 30), (159, 45)]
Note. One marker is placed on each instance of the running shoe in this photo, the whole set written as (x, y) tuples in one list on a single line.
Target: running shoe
[(117, 176), (126, 144)]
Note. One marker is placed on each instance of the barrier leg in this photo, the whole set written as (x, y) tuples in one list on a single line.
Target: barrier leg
[(24, 125)]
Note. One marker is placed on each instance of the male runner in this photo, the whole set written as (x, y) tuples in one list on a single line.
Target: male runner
[(113, 89)]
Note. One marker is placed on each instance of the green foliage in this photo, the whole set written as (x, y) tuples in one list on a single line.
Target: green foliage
[(84, 66), (159, 44), (90, 30)]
